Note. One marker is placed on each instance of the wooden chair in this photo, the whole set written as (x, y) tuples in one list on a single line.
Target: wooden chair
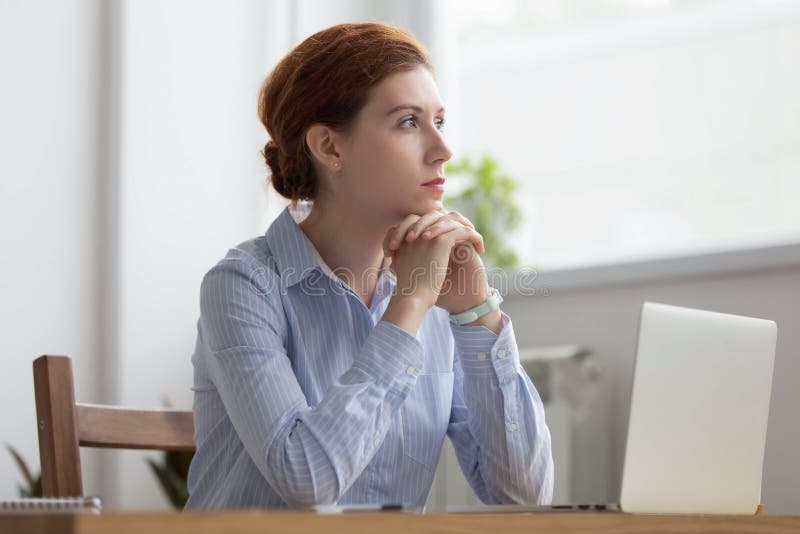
[(65, 426)]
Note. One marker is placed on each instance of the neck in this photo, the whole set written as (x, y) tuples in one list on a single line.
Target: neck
[(350, 241)]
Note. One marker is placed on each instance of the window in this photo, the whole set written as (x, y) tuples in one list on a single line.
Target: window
[(637, 129)]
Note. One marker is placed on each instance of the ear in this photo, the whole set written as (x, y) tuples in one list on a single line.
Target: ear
[(321, 140)]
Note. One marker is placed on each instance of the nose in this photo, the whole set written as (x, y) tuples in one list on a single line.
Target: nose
[(439, 150)]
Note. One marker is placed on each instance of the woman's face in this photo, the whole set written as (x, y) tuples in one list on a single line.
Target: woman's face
[(396, 145)]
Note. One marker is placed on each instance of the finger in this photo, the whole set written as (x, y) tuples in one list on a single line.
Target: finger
[(477, 237), (399, 233), (389, 262), (387, 251), (464, 233), (441, 226), (457, 216), (423, 223), (387, 239)]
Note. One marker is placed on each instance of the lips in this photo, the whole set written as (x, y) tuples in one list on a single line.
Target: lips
[(436, 181)]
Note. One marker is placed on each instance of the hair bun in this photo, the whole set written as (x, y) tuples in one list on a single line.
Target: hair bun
[(271, 155)]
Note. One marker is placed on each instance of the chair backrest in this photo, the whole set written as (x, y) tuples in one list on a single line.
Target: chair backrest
[(64, 426)]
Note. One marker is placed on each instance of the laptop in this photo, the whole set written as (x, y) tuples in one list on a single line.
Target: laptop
[(698, 418)]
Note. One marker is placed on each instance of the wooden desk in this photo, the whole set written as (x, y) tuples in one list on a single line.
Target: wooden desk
[(385, 523)]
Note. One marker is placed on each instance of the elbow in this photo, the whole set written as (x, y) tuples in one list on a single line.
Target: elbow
[(303, 493), (532, 485), (538, 487), (305, 499), (303, 489), (538, 491), (299, 482), (528, 492), (540, 480)]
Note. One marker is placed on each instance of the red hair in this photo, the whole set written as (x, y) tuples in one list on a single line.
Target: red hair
[(326, 79)]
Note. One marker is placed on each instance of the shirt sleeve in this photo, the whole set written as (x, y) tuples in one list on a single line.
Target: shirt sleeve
[(308, 455), (497, 423)]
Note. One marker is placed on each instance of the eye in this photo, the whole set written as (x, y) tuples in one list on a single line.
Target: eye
[(412, 119), (439, 123)]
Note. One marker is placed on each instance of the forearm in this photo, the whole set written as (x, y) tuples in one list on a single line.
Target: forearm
[(506, 424), (513, 441)]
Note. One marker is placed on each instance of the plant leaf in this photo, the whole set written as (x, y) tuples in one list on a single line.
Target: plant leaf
[(171, 483), (22, 465)]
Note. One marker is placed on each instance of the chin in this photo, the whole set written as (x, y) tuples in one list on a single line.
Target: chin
[(434, 205), (417, 206)]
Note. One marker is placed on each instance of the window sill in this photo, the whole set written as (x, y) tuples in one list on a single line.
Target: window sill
[(526, 281)]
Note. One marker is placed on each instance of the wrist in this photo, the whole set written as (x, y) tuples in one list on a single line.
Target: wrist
[(486, 313), (411, 303), (474, 300), (492, 320), (405, 312)]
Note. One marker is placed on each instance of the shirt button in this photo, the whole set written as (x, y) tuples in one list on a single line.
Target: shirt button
[(410, 370), (501, 353), (376, 442), (481, 355), (512, 427)]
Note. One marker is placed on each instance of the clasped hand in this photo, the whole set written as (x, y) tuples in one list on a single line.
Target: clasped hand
[(436, 258)]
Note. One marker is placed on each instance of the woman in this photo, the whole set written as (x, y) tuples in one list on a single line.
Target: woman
[(322, 375)]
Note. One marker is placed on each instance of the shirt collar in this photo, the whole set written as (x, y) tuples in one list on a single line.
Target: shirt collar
[(294, 254)]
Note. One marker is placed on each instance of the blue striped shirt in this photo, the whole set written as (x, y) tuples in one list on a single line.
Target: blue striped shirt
[(304, 396)]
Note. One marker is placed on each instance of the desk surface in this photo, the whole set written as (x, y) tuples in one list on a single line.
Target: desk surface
[(386, 523)]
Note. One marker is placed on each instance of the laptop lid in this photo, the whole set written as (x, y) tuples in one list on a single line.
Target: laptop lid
[(699, 408)]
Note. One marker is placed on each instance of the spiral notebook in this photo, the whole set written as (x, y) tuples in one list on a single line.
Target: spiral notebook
[(55, 505)]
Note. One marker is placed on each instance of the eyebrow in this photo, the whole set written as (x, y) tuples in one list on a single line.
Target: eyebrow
[(409, 106)]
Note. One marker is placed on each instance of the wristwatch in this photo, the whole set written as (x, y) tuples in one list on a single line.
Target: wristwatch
[(494, 300)]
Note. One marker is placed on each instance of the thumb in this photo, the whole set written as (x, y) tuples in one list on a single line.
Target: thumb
[(386, 238)]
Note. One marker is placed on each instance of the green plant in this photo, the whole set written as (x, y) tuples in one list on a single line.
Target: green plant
[(487, 201), (34, 484), (172, 473)]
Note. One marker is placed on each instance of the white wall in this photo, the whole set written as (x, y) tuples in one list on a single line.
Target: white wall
[(130, 165), (192, 185), (49, 173)]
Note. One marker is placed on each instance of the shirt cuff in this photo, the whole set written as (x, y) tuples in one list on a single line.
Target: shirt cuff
[(482, 352), (392, 356)]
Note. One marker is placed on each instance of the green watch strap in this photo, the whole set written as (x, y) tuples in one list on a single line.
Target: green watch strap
[(472, 314)]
